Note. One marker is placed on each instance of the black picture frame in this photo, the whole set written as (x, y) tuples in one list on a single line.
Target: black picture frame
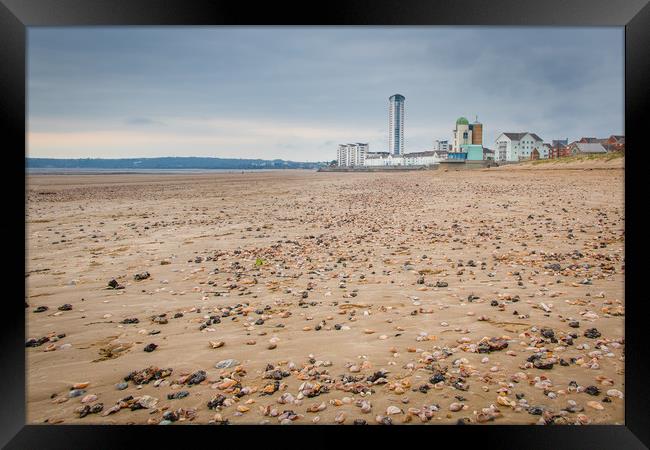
[(16, 15)]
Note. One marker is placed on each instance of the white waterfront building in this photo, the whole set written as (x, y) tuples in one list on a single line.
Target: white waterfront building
[(519, 146), (386, 159), (351, 155), (396, 124)]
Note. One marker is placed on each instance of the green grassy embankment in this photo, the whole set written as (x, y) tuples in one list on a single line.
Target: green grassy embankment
[(580, 158)]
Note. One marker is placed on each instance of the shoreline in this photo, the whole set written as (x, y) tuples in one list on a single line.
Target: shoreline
[(48, 171)]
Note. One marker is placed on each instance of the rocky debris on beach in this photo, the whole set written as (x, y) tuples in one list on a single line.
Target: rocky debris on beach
[(113, 350), (453, 316), (141, 276), (130, 320), (37, 342), (132, 403), (144, 376), (84, 410), (113, 284), (177, 395), (493, 344), (193, 378)]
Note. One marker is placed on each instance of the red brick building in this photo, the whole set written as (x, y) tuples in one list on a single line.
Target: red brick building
[(614, 143), (559, 150)]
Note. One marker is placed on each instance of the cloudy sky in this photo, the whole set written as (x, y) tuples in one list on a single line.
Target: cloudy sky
[(295, 93)]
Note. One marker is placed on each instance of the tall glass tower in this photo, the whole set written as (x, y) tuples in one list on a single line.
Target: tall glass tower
[(396, 124)]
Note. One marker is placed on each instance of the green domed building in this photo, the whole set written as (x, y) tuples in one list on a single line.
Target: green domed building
[(467, 134)]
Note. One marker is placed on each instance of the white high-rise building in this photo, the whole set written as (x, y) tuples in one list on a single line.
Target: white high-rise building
[(441, 146), (396, 124), (351, 155)]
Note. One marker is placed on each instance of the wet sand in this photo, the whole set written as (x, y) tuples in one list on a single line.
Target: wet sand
[(355, 294)]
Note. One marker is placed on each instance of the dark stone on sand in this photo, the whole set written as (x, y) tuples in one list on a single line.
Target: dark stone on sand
[(37, 342), (217, 401), (492, 345), (197, 377), (376, 376), (437, 378), (130, 320), (543, 364), (98, 407), (547, 333), (592, 333), (141, 276), (177, 395), (555, 267), (172, 416)]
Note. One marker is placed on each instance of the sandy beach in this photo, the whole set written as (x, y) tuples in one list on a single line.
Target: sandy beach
[(490, 296)]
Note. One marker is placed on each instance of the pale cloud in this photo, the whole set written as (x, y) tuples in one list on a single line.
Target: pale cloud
[(200, 136)]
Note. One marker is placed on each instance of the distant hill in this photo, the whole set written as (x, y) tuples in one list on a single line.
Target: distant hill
[(167, 163)]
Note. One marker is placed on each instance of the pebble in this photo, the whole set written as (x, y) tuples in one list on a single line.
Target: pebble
[(455, 407), (227, 363), (614, 393), (89, 398), (393, 410), (595, 405)]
